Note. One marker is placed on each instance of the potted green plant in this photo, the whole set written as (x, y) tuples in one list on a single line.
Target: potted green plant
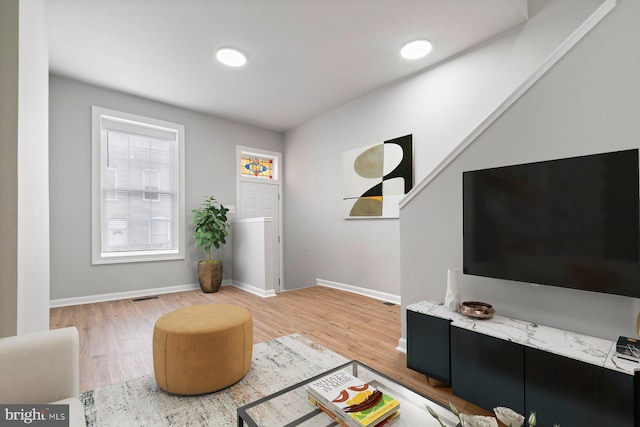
[(211, 229)]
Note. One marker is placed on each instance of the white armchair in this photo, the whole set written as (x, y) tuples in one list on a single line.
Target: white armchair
[(42, 367)]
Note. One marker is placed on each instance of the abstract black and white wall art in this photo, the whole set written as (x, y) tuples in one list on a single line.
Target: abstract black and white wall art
[(377, 177)]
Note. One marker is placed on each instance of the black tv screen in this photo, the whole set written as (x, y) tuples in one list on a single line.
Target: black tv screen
[(571, 222)]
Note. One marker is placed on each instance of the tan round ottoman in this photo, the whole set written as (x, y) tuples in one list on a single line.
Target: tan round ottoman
[(203, 348)]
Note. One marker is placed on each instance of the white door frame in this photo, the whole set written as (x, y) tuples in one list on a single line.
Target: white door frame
[(277, 179)]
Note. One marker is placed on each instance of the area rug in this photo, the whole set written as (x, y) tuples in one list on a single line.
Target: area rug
[(276, 364)]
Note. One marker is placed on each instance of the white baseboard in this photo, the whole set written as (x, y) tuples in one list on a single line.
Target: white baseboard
[(402, 345), (89, 299), (254, 290), (63, 302), (383, 296)]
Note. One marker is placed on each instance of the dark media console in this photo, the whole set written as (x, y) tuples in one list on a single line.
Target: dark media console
[(566, 378)]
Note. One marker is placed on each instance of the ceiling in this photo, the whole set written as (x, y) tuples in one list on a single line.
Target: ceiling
[(305, 57)]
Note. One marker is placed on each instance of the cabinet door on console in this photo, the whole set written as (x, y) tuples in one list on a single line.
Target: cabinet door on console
[(487, 371), (428, 345), (574, 393)]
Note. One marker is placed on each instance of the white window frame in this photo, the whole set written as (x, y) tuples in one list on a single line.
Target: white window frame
[(97, 228)]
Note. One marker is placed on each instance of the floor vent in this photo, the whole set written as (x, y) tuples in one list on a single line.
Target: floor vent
[(390, 304), (144, 298)]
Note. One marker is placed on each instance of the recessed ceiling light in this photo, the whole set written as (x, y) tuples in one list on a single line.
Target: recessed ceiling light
[(416, 49), (231, 57)]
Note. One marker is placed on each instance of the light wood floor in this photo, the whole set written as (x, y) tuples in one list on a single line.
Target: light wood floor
[(115, 336)]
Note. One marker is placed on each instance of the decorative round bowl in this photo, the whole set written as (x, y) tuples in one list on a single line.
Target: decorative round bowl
[(477, 309)]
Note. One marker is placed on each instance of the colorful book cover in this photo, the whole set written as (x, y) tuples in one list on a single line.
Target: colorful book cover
[(354, 399), (387, 422)]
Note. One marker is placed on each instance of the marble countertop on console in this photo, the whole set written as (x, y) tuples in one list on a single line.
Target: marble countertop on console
[(596, 351)]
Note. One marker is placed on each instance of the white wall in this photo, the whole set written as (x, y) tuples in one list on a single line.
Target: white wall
[(24, 232), (33, 169), (253, 255), (589, 102), (210, 170), (440, 108)]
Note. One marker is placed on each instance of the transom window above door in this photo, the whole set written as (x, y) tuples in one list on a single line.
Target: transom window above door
[(258, 166)]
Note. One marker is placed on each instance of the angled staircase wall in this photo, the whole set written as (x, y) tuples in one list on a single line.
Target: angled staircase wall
[(584, 100)]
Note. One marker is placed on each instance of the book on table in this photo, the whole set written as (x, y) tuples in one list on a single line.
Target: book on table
[(339, 421), (351, 400), (628, 347), (387, 422)]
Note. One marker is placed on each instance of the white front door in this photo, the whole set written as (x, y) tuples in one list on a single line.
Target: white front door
[(258, 200)]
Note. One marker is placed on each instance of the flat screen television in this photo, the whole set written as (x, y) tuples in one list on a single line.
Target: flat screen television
[(570, 222)]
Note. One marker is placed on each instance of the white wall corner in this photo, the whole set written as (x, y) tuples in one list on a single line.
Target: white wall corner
[(523, 6), (402, 345), (33, 286), (254, 290)]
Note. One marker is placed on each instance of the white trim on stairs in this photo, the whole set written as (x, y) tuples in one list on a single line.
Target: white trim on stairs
[(554, 57)]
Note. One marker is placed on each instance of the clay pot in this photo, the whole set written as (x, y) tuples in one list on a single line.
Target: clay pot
[(210, 275)]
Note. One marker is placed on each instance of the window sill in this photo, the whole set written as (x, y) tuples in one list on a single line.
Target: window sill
[(131, 257)]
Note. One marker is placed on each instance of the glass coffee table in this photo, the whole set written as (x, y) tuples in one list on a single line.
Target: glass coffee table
[(291, 406)]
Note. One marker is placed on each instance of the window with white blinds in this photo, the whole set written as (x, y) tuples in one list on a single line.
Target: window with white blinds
[(137, 188)]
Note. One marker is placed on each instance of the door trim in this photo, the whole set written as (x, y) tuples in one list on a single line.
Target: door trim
[(277, 179)]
